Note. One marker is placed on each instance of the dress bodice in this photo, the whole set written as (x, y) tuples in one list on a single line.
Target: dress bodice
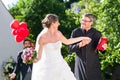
[(52, 66), (52, 52)]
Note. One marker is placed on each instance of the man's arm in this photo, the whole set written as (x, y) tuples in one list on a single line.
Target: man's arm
[(76, 46), (17, 66)]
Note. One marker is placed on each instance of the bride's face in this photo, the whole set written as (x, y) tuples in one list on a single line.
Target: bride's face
[(56, 25)]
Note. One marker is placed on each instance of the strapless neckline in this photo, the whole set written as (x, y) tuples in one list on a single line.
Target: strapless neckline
[(54, 42)]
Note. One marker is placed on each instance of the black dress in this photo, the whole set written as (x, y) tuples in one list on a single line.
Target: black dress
[(87, 65)]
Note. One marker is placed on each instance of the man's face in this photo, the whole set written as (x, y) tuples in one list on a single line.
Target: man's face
[(86, 23), (26, 44)]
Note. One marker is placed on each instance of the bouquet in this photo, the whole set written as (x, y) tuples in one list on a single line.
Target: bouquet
[(28, 55), (102, 41)]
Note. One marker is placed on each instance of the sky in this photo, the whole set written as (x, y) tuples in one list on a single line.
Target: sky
[(9, 3)]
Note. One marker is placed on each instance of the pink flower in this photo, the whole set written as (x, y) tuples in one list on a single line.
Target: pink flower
[(28, 55)]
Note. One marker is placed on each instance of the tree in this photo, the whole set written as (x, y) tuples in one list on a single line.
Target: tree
[(34, 11), (107, 21), (18, 10), (37, 11)]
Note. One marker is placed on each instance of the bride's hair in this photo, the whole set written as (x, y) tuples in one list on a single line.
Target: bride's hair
[(49, 18)]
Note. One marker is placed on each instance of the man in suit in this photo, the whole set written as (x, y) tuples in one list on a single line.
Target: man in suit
[(22, 68), (87, 65)]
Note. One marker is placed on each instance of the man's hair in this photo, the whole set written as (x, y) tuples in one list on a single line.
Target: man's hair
[(26, 40), (90, 16)]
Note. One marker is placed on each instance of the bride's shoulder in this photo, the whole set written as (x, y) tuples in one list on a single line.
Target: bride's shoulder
[(59, 33), (42, 38), (44, 35)]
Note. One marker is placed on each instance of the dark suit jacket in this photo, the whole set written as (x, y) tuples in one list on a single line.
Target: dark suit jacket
[(21, 67), (87, 65)]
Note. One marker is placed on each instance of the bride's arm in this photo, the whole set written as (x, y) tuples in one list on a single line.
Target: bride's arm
[(71, 40), (39, 53)]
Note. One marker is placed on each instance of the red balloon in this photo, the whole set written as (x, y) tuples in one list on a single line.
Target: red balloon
[(21, 31), (14, 24), (18, 38), (23, 25), (14, 31), (26, 33)]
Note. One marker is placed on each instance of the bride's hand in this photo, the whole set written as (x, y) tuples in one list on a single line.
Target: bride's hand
[(85, 41), (36, 60), (87, 38)]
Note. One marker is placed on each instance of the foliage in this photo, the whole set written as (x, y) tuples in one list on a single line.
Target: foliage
[(107, 21), (107, 14), (18, 10), (8, 67), (37, 12), (33, 11)]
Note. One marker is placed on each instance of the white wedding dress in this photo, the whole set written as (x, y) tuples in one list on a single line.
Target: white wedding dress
[(52, 65)]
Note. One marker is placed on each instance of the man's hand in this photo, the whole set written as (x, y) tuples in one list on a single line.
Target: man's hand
[(84, 42), (12, 75), (104, 46)]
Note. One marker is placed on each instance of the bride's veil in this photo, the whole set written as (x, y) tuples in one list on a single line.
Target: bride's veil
[(42, 32), (35, 70)]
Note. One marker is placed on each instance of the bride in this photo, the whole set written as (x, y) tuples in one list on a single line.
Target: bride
[(49, 64)]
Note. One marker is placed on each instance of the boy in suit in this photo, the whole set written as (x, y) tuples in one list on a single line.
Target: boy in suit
[(24, 69)]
